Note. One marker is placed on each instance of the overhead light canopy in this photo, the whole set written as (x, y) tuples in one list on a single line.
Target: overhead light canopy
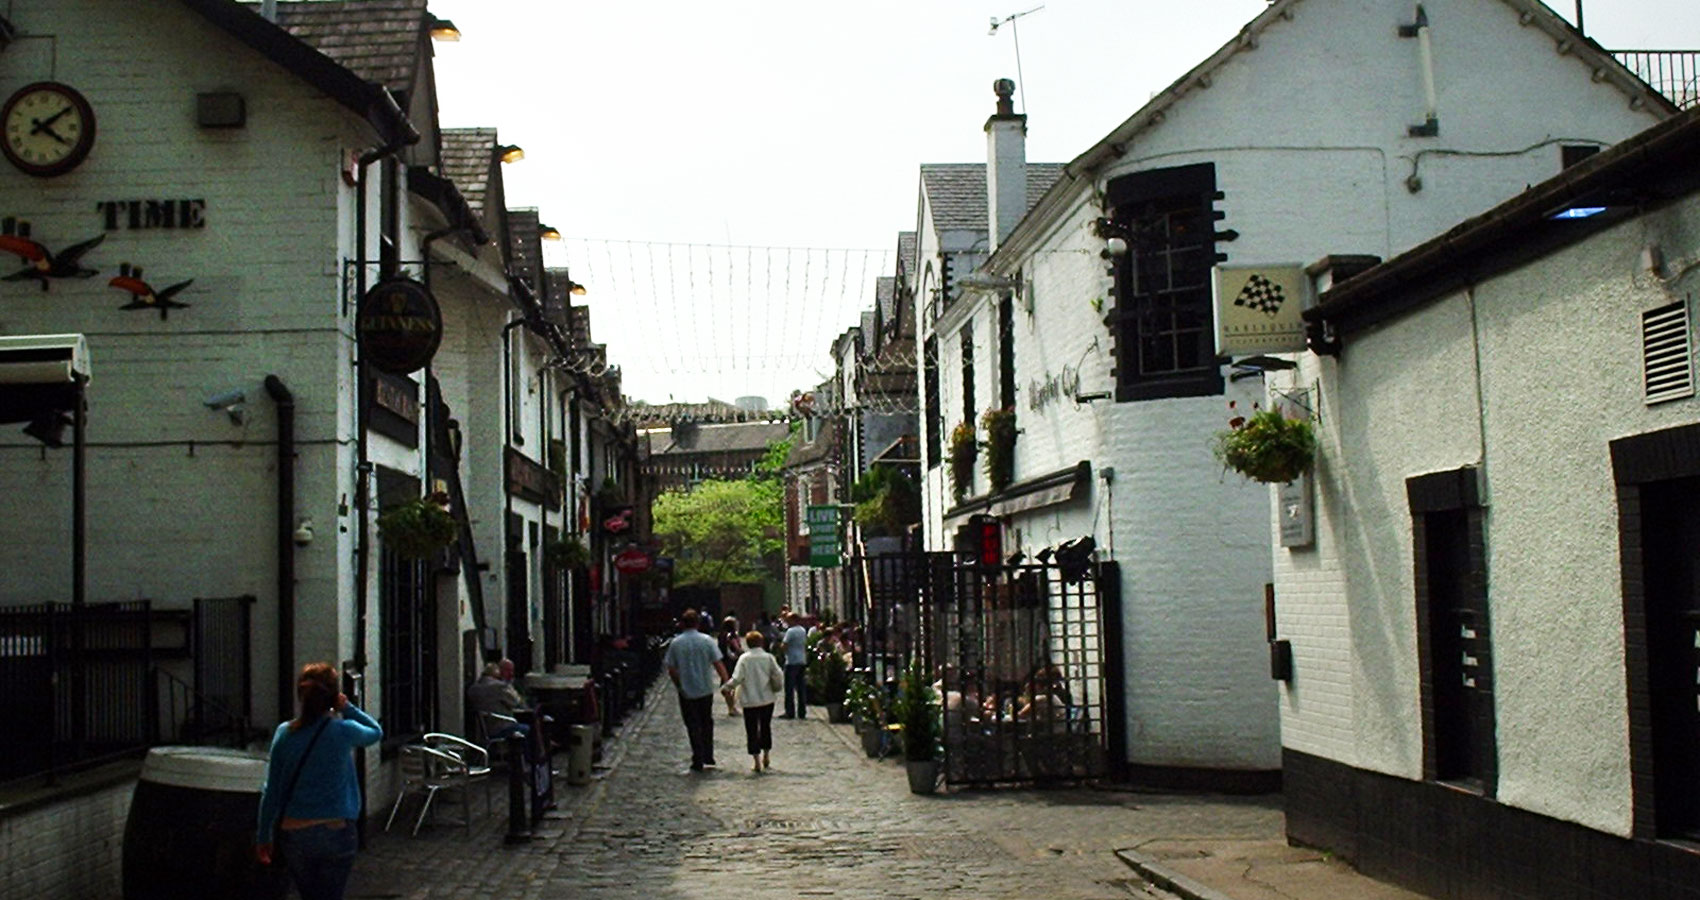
[(510, 153), (444, 30)]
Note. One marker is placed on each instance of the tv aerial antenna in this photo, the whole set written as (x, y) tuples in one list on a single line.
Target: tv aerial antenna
[(1020, 80)]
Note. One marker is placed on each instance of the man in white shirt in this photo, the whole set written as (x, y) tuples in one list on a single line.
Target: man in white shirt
[(693, 662), (796, 642)]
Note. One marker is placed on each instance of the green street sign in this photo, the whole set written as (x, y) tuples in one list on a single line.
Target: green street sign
[(824, 549)]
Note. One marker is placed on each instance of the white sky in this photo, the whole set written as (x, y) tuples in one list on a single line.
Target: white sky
[(676, 143)]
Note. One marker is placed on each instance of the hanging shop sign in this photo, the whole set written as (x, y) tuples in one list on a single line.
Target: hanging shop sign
[(824, 549), (394, 405), (399, 326), (1258, 309), (632, 561)]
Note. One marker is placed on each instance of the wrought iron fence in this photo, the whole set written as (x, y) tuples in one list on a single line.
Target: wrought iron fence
[(76, 685), (1024, 656), (1673, 73)]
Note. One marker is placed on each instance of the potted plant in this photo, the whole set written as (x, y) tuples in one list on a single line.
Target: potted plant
[(418, 528), (918, 710), (962, 450), (1000, 446), (867, 711), (827, 676), (1270, 446), (566, 553)]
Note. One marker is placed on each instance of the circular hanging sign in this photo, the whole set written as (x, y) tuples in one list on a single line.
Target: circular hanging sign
[(399, 326), (632, 561)]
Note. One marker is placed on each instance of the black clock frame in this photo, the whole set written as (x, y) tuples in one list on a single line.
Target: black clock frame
[(85, 141)]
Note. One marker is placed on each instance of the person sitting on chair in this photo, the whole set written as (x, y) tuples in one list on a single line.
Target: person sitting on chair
[(493, 694)]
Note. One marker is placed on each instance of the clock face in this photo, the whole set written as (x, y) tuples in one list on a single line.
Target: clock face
[(49, 128)]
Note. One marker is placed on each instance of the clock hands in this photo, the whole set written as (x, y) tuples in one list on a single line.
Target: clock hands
[(45, 126)]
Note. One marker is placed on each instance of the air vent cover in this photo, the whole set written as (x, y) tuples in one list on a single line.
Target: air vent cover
[(1667, 354)]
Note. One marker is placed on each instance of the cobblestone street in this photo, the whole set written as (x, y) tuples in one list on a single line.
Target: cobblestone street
[(826, 821)]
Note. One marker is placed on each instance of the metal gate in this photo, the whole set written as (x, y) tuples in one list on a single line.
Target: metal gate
[(1019, 653)]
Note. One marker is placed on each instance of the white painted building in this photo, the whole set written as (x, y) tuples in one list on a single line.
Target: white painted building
[(1496, 632), (1313, 132)]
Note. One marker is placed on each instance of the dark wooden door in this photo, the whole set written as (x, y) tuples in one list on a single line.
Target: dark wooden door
[(1671, 544)]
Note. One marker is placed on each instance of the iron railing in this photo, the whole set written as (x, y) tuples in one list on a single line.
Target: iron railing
[(1673, 73)]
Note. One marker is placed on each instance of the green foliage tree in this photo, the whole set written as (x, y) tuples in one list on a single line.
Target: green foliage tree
[(722, 532), (887, 501)]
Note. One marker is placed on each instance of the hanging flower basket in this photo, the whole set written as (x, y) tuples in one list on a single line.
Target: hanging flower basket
[(962, 450), (566, 554), (1000, 447), (1270, 446), (417, 529)]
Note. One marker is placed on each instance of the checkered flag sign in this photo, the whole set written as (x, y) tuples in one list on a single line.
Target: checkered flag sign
[(1261, 294)]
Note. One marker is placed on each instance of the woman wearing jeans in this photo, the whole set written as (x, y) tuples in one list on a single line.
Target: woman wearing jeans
[(311, 796), (758, 681)]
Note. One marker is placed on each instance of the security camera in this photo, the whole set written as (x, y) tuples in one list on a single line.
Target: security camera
[(304, 533), (225, 400)]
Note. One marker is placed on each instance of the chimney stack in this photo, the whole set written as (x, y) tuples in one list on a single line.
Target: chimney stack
[(1006, 164)]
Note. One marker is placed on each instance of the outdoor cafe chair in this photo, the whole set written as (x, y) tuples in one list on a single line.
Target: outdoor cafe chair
[(476, 758), (427, 771)]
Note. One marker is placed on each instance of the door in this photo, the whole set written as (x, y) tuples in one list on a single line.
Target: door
[(1670, 543)]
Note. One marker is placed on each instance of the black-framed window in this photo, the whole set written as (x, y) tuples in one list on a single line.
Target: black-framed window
[(967, 341), (1658, 496), (1162, 321), (1006, 352), (1454, 633), (930, 384), (408, 636)]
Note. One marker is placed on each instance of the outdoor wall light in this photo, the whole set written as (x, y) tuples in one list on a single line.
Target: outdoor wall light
[(1115, 237), (303, 533), (231, 403), (510, 153), (444, 30), (576, 289), (548, 232)]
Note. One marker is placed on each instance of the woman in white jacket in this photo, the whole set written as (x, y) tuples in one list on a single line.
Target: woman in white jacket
[(758, 680)]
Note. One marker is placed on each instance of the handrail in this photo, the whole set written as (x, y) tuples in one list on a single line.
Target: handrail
[(194, 705), (1673, 73)]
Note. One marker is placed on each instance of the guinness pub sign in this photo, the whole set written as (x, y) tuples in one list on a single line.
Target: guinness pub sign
[(399, 326)]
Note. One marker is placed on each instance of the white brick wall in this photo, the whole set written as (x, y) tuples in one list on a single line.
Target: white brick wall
[(1307, 133), (71, 850)]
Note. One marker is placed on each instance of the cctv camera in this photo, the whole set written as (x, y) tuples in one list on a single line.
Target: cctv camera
[(304, 533), (226, 400)]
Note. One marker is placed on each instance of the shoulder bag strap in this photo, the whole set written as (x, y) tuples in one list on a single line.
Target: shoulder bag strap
[(295, 776)]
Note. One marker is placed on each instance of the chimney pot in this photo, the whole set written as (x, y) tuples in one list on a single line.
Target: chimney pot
[(1005, 89)]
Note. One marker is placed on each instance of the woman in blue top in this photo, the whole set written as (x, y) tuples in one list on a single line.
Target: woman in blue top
[(311, 794)]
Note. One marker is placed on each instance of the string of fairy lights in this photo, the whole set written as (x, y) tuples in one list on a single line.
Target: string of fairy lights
[(691, 315)]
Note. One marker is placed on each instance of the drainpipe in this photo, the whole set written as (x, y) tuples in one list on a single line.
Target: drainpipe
[(285, 402)]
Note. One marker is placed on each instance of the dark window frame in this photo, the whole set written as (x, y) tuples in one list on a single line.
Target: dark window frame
[(935, 415), (1006, 351), (1454, 752), (1163, 325), (967, 339)]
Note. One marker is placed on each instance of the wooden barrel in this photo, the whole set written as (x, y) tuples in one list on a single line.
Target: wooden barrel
[(191, 827)]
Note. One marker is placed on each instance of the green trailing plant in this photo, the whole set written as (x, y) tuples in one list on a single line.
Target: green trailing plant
[(917, 708), (567, 553), (1000, 446), (828, 675), (1269, 446), (962, 451), (417, 528), (887, 501)]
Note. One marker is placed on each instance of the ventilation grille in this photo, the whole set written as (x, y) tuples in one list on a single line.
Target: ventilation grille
[(1666, 353)]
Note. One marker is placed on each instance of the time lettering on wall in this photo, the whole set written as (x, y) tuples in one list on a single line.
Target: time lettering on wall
[(136, 215)]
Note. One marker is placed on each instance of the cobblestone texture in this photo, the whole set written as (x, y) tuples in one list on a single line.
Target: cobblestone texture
[(825, 821)]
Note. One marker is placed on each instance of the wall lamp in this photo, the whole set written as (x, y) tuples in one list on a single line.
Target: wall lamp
[(576, 289), (1115, 237), (444, 30), (547, 232), (510, 153)]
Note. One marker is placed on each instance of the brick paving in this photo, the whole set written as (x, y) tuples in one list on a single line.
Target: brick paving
[(826, 821)]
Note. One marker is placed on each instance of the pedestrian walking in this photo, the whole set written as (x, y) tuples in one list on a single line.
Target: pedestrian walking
[(731, 647), (757, 681), (311, 795), (693, 662), (796, 666)]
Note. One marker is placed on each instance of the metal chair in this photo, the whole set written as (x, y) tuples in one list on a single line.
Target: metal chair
[(428, 771), (476, 758)]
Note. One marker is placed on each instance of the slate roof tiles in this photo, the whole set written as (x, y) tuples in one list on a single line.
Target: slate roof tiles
[(378, 40)]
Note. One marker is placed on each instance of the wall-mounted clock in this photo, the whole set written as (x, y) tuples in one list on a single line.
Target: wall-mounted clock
[(49, 128)]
